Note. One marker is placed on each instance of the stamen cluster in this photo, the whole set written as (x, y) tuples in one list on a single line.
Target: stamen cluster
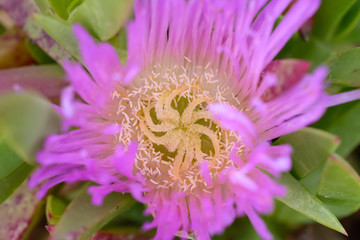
[(169, 119)]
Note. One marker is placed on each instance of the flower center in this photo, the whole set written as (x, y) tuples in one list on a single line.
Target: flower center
[(181, 128), (167, 115)]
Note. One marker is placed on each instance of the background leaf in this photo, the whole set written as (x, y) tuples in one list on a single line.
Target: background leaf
[(25, 120), (329, 16), (60, 7), (13, 171), (340, 186), (349, 20), (341, 121), (102, 18), (61, 32), (345, 69), (311, 147), (299, 199), (55, 207), (37, 53), (81, 219)]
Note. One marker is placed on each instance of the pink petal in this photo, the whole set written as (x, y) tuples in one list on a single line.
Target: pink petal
[(232, 119)]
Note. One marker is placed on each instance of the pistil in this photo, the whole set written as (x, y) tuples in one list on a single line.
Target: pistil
[(175, 131)]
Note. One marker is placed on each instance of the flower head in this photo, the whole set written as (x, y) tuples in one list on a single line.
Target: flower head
[(185, 125)]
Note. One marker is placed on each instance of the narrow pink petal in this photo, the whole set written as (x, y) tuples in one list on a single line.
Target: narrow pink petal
[(344, 97), (258, 224), (101, 59), (123, 161), (204, 167), (82, 83), (295, 17), (295, 108), (67, 102), (237, 177), (232, 119)]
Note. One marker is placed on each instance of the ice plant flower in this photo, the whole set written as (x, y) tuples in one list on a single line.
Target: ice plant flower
[(185, 126)]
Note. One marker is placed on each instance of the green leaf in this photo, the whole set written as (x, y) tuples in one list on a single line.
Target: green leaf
[(13, 171), (288, 216), (311, 147), (340, 186), (60, 7), (55, 207), (25, 120), (45, 7), (299, 199), (341, 121), (74, 4), (329, 16), (349, 21), (102, 18), (345, 69), (37, 53), (61, 32), (82, 219), (314, 50)]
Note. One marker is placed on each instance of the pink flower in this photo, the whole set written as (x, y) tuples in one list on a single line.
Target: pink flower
[(186, 125)]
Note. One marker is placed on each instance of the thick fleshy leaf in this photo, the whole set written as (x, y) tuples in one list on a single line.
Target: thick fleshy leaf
[(25, 120), (17, 214), (286, 215), (60, 7), (37, 53), (329, 16), (13, 171), (22, 12), (311, 147), (345, 69), (55, 207), (102, 18), (349, 21), (81, 219), (342, 121), (74, 4), (313, 50), (340, 186), (61, 32), (299, 199), (45, 7), (45, 79)]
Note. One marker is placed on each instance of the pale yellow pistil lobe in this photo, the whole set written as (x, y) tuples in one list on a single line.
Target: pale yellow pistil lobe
[(179, 129), (165, 112)]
